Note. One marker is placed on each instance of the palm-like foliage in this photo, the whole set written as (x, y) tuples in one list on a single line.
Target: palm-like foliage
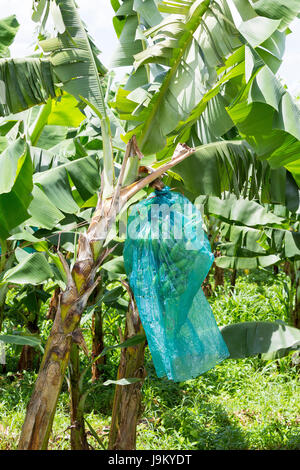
[(252, 234), (209, 75), (70, 64), (201, 76), (231, 166)]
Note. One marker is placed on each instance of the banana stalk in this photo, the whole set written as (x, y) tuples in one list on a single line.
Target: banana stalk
[(78, 434), (296, 309), (127, 399)]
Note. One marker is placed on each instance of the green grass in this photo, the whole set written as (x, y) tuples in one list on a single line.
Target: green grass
[(240, 404)]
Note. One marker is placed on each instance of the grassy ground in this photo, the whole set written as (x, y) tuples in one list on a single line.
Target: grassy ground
[(240, 404)]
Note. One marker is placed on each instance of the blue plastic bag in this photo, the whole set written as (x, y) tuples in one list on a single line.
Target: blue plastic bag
[(167, 256)]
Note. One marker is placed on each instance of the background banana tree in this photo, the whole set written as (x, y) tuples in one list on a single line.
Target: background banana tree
[(256, 235), (197, 79)]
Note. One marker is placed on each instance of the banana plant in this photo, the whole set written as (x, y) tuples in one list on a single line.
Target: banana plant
[(206, 94), (256, 235), (127, 399), (90, 244), (11, 185), (26, 180), (62, 119), (25, 309), (193, 71)]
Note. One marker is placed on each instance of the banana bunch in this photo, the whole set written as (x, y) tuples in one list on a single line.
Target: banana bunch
[(174, 261)]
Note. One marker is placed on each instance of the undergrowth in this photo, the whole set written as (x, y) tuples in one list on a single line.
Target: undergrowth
[(240, 404)]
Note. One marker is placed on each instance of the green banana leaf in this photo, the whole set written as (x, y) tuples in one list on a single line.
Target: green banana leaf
[(32, 269), (8, 29), (27, 81), (240, 211), (84, 174), (252, 338), (229, 166), (44, 214), (34, 341), (15, 186)]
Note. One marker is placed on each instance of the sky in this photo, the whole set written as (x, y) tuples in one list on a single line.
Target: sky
[(98, 14)]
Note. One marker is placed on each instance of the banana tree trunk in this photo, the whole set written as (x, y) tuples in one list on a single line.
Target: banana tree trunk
[(26, 361), (296, 309), (2, 366), (218, 272), (6, 262), (53, 304), (78, 434), (41, 408), (97, 343), (290, 271), (207, 287), (1, 316), (80, 283), (233, 279), (29, 353), (127, 399), (219, 276)]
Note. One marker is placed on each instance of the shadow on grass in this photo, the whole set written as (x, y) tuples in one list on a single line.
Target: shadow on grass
[(188, 415), (202, 424), (210, 428)]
